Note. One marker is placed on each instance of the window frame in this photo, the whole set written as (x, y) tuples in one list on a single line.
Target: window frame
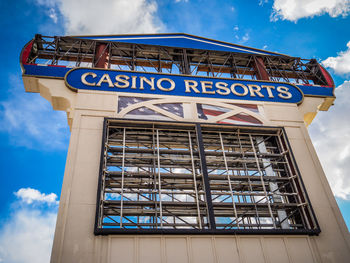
[(212, 229)]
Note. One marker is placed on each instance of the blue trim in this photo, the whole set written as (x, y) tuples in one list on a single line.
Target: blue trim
[(316, 90), (60, 72), (45, 71)]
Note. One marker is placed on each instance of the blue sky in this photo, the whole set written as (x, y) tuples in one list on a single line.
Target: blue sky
[(34, 138)]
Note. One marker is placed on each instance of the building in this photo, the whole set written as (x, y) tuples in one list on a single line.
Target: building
[(187, 149)]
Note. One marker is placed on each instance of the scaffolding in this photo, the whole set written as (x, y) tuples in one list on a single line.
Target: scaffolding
[(78, 52), (166, 177)]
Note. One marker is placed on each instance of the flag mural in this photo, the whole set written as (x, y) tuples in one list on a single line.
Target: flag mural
[(145, 112), (208, 112), (242, 113)]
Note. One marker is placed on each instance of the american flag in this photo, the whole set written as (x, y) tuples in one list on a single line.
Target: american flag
[(146, 113), (207, 112)]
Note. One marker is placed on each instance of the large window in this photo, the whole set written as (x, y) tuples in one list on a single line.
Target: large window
[(165, 177)]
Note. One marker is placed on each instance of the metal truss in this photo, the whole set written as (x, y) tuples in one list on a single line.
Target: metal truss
[(165, 177), (75, 52)]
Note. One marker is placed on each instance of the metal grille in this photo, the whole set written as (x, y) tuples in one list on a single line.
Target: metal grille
[(198, 178)]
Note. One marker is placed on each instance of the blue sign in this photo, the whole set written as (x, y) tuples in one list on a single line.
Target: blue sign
[(181, 85)]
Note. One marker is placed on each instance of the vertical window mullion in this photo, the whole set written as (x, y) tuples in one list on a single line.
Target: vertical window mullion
[(277, 198), (229, 180), (210, 209), (101, 184), (195, 180), (159, 183), (122, 185), (295, 178), (262, 181)]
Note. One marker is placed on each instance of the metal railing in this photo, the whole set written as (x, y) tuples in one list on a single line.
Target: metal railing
[(75, 52)]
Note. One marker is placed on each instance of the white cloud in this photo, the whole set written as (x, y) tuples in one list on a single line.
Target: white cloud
[(241, 39), (30, 195), (295, 9), (330, 132), (49, 3), (245, 38), (53, 15), (30, 121), (341, 63), (107, 17), (27, 235), (262, 2)]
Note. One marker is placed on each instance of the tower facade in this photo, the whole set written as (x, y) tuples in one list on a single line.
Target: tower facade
[(186, 149)]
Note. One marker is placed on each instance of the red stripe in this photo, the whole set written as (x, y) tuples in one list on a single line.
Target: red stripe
[(327, 76), (26, 52), (237, 117), (212, 112), (247, 106), (60, 66), (245, 118)]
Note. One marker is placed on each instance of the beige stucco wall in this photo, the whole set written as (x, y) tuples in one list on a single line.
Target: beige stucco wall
[(74, 239)]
